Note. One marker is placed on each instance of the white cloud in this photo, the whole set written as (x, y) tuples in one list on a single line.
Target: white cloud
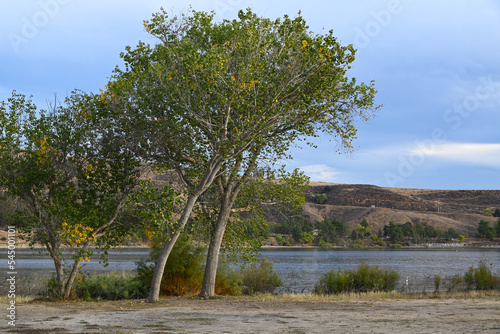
[(478, 154), (321, 173)]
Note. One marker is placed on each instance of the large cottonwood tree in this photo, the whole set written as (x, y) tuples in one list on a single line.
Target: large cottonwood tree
[(209, 92)]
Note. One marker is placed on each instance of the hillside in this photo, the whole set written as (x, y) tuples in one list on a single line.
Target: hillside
[(443, 209)]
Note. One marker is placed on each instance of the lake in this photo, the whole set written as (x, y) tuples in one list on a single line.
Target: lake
[(300, 269)]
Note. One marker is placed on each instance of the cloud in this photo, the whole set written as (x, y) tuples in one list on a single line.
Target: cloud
[(321, 173), (477, 154)]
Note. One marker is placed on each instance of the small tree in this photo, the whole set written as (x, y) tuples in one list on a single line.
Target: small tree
[(331, 230), (483, 229), (496, 213), (488, 212), (70, 176)]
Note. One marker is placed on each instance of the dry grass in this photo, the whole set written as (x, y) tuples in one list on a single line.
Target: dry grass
[(490, 294)]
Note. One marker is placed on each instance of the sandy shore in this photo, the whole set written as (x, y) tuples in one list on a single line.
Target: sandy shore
[(261, 315)]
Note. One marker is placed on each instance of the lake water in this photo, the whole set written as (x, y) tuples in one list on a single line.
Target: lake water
[(300, 269)]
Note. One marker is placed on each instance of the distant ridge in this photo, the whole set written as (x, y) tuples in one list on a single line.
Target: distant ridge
[(458, 209)]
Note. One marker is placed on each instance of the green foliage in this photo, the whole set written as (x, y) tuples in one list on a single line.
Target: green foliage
[(294, 227), (437, 282), (71, 176), (481, 278), (260, 278), (461, 238), (397, 233), (365, 278), (228, 282), (496, 213), (320, 198), (112, 286), (184, 270), (331, 230), (362, 230), (484, 230), (282, 241), (306, 238), (394, 232)]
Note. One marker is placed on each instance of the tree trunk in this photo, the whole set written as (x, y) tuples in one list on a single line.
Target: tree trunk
[(71, 279), (208, 287), (154, 291), (59, 274)]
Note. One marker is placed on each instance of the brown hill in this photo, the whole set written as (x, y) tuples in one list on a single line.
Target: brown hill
[(458, 209)]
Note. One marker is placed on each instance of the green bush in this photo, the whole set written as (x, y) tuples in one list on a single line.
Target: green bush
[(320, 198), (183, 275), (365, 278), (260, 278), (112, 286), (227, 281), (481, 278)]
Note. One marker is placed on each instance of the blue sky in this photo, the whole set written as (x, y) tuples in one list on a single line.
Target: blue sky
[(435, 64)]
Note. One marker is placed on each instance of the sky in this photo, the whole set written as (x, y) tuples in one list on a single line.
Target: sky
[(435, 65)]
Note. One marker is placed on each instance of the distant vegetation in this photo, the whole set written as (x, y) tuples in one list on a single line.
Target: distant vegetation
[(330, 232)]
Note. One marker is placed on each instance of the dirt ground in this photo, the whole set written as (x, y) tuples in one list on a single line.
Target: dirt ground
[(260, 315)]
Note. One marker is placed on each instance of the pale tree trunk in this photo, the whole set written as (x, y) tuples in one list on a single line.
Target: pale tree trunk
[(154, 291), (208, 287), (229, 192), (59, 275)]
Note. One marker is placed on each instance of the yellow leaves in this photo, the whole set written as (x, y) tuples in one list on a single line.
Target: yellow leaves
[(145, 23), (233, 78), (77, 235), (304, 44), (151, 237)]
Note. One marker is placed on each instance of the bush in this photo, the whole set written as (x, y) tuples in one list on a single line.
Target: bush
[(481, 278), (183, 275), (260, 278), (184, 270), (320, 198), (365, 278), (112, 286), (227, 281)]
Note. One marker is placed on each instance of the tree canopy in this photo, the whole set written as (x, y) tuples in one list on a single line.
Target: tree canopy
[(209, 92)]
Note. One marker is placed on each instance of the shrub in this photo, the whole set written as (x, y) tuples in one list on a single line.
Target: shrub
[(320, 198), (365, 278), (112, 286), (184, 270), (228, 281), (481, 278), (183, 275), (260, 278), (437, 282)]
